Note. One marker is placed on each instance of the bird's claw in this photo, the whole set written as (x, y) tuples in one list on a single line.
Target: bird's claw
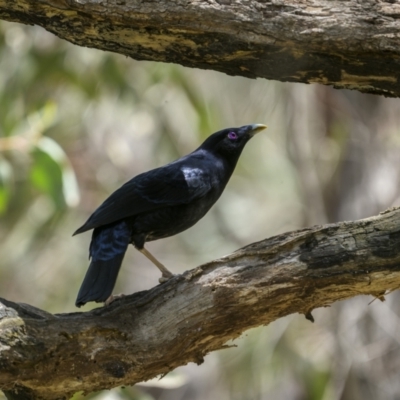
[(165, 278), (112, 298)]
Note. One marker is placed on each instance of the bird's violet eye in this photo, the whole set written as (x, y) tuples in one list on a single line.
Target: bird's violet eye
[(232, 135)]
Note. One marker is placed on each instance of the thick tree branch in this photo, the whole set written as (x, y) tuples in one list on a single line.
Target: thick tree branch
[(349, 44), (150, 333)]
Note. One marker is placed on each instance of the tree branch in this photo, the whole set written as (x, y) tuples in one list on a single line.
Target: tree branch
[(352, 44), (150, 333)]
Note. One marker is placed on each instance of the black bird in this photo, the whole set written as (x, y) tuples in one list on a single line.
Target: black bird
[(157, 204)]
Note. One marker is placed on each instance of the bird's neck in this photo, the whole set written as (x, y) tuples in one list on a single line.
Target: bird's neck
[(230, 159), (227, 162)]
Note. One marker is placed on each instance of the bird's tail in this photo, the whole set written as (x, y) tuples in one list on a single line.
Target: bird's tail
[(107, 250)]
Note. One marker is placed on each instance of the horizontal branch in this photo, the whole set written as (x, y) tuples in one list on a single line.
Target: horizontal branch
[(349, 44), (152, 332)]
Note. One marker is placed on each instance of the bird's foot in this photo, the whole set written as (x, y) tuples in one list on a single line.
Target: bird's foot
[(166, 277), (112, 298)]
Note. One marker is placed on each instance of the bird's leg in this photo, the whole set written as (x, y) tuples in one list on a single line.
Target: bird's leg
[(166, 274)]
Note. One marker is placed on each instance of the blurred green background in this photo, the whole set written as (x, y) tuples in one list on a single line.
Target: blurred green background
[(76, 123)]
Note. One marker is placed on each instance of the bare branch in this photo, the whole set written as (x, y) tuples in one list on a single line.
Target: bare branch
[(352, 44), (150, 333)]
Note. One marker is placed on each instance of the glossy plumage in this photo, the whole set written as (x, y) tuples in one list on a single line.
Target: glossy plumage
[(157, 204)]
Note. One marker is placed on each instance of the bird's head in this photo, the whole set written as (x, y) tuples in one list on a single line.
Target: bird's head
[(230, 142)]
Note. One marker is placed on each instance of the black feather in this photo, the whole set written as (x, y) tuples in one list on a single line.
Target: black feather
[(157, 204), (107, 251)]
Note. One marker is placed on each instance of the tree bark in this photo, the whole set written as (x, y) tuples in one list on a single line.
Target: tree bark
[(45, 356), (348, 44)]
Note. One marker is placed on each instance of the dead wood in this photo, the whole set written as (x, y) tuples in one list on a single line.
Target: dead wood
[(45, 356), (349, 44)]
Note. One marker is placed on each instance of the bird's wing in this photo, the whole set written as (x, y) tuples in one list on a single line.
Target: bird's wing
[(171, 185)]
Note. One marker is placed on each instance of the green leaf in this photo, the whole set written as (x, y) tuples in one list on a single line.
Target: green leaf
[(5, 185), (46, 176), (70, 189)]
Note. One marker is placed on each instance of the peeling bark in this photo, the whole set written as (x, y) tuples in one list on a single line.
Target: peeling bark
[(45, 356), (349, 44)]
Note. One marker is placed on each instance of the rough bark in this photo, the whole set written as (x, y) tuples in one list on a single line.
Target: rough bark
[(349, 44), (150, 333)]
